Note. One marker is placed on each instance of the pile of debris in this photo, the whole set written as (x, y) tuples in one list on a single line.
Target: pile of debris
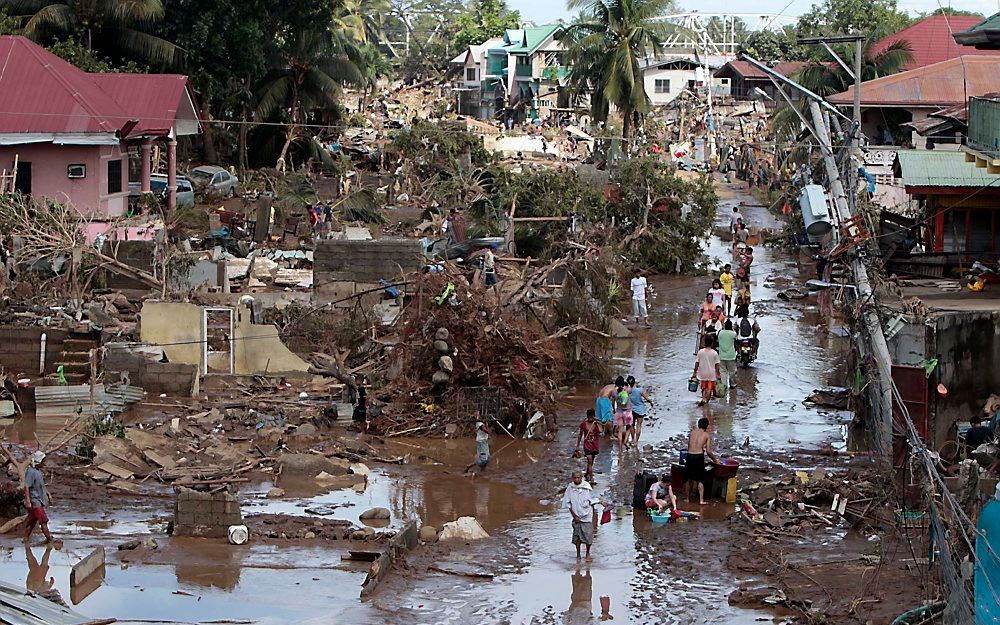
[(785, 507)]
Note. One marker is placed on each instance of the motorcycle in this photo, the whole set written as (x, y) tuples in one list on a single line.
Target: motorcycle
[(746, 353)]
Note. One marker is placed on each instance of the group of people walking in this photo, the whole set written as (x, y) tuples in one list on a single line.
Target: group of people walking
[(619, 412)]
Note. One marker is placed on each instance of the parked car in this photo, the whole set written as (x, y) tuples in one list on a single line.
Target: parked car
[(158, 186), (216, 181)]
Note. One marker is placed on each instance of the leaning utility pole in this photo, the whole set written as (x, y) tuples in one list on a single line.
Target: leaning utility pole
[(881, 405)]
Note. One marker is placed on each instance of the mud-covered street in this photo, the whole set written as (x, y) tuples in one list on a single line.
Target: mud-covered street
[(526, 571)]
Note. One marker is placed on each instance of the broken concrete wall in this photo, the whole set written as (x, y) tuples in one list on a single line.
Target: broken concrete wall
[(175, 326), (20, 349), (154, 377), (137, 254), (179, 329), (258, 349), (339, 264), (206, 515)]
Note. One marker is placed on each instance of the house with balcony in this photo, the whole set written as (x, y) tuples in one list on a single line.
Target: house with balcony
[(467, 87), (525, 74)]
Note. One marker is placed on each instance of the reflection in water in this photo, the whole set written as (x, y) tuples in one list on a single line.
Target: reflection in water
[(215, 565), (581, 600), (36, 581)]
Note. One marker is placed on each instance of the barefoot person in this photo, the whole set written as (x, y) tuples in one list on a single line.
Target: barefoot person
[(580, 501), (707, 369), (640, 407), (482, 447), (661, 495), (699, 446), (639, 291), (590, 435), (36, 497), (623, 414)]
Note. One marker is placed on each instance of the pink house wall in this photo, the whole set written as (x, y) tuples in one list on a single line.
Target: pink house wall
[(49, 177)]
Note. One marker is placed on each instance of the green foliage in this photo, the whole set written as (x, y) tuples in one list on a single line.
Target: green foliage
[(769, 46), (97, 427), (115, 27), (667, 240), (8, 25), (88, 60), (872, 18), (433, 145), (951, 11), (606, 46), (484, 20)]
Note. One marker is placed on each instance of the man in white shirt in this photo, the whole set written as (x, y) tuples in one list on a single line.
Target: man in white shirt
[(735, 218), (639, 288), (707, 369), (580, 501)]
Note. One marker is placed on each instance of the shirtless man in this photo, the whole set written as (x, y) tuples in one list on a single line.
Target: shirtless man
[(699, 446)]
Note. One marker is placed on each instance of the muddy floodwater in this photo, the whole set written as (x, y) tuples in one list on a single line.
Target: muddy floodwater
[(652, 573)]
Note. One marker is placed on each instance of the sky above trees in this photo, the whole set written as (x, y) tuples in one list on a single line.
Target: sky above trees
[(550, 10)]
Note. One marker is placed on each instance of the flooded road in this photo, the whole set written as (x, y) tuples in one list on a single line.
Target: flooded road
[(652, 573)]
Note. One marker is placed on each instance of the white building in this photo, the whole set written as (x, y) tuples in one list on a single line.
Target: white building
[(665, 78)]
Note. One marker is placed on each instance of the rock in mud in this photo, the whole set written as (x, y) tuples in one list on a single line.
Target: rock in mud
[(129, 545), (306, 429), (310, 465), (441, 347), (375, 513), (428, 534), (446, 364), (440, 377), (618, 330), (276, 493), (309, 535), (364, 533), (442, 334), (464, 528)]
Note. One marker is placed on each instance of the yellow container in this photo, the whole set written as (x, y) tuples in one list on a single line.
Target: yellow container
[(731, 490)]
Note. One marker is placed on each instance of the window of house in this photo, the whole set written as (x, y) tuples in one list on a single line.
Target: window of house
[(76, 170), (661, 85), (470, 74), (114, 176), (523, 60)]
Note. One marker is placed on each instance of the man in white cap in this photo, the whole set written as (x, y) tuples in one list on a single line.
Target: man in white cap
[(36, 497)]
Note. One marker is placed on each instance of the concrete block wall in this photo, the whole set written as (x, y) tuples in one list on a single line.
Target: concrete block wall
[(154, 377), (138, 254), (206, 515), (20, 347), (365, 261)]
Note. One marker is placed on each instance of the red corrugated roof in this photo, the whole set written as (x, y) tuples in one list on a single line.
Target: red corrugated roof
[(931, 39), (939, 85), (43, 94), (151, 98), (746, 70)]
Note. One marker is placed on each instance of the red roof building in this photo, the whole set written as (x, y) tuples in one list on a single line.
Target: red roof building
[(931, 39), (745, 79), (69, 131)]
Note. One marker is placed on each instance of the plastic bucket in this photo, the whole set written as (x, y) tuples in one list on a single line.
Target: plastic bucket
[(693, 385), (238, 534)]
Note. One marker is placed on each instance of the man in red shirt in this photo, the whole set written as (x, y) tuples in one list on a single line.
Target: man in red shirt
[(590, 434)]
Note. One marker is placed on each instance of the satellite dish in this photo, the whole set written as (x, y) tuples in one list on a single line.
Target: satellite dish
[(760, 93)]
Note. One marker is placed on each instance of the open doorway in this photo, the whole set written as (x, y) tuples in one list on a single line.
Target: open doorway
[(217, 328)]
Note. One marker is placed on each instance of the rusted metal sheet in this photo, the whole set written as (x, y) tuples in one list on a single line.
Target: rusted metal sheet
[(913, 389)]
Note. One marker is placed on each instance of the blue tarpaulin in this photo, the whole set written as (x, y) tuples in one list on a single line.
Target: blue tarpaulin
[(988, 565)]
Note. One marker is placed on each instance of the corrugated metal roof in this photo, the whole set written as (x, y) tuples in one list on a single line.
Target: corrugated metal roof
[(534, 37), (931, 39), (153, 99), (939, 85), (935, 168), (58, 401), (42, 94), (746, 70), (984, 35), (18, 607)]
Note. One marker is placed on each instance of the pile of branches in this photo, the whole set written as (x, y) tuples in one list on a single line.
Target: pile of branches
[(490, 343)]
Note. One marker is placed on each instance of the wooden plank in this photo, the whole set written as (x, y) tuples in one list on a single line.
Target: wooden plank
[(159, 459), (117, 471), (122, 485), (93, 563)]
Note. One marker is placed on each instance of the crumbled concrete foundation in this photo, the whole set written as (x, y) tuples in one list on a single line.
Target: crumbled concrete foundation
[(206, 515)]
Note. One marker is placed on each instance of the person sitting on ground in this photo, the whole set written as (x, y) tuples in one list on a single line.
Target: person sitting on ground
[(707, 308), (661, 496)]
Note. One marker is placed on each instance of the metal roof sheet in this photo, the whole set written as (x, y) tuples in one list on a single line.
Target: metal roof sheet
[(931, 39), (984, 35), (937, 168), (41, 93), (19, 607), (939, 85), (746, 70)]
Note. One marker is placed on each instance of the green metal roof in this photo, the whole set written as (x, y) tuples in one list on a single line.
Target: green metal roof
[(936, 168), (984, 35), (534, 37), (990, 23)]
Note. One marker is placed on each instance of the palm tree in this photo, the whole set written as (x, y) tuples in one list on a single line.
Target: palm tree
[(305, 76), (113, 25), (364, 20), (826, 79), (607, 43)]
